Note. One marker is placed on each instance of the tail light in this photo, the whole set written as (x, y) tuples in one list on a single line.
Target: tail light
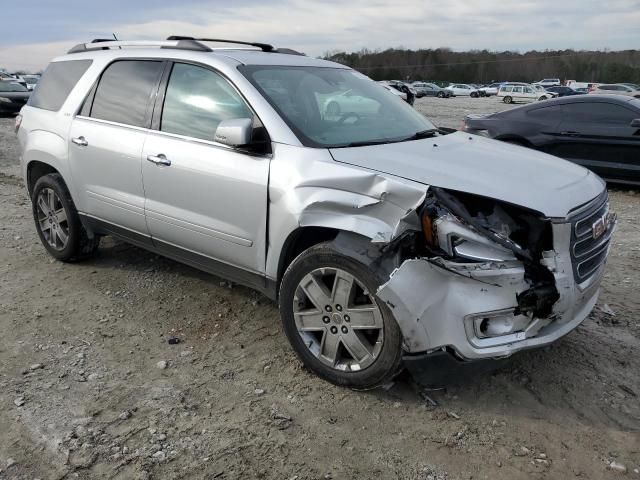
[(18, 123)]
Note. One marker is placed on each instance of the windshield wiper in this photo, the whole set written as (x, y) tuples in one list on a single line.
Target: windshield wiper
[(369, 142), (431, 132), (416, 136)]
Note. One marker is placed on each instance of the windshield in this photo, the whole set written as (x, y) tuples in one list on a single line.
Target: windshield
[(11, 87), (332, 107)]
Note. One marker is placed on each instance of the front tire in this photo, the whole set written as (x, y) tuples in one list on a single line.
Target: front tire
[(334, 322), (57, 221), (474, 94), (440, 94)]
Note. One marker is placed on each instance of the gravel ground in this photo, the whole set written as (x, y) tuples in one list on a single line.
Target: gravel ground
[(90, 387)]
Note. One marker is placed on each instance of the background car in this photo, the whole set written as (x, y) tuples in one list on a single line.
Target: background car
[(511, 93), (425, 89), (31, 80), (13, 96), (410, 93), (462, 89), (393, 90), (564, 91), (549, 82), (4, 76), (348, 102), (489, 90), (543, 91), (615, 89), (599, 132)]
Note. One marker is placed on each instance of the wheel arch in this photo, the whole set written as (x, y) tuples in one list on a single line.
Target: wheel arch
[(37, 169)]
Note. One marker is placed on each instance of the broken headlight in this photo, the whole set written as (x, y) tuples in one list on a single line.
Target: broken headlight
[(476, 228)]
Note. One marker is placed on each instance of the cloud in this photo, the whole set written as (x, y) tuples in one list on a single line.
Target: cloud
[(316, 26)]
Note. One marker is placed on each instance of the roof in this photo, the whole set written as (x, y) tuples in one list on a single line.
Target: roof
[(189, 48), (257, 57)]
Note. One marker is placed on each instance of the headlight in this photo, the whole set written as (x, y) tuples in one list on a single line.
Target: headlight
[(455, 238), (478, 228)]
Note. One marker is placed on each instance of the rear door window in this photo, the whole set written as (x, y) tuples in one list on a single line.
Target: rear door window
[(125, 90), (598, 112), (56, 84)]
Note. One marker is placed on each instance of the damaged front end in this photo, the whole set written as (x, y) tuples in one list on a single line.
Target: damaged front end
[(486, 278)]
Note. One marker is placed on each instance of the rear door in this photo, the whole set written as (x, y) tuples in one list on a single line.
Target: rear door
[(106, 141), (598, 135), (206, 203)]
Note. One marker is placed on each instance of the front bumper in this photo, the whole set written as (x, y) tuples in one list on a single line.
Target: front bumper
[(439, 304)]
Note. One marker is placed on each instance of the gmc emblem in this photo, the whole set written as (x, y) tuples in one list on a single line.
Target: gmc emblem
[(600, 226)]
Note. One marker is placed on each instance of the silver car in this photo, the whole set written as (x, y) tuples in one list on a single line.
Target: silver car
[(381, 237)]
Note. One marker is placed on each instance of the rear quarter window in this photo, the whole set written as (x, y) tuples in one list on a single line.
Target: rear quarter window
[(56, 83)]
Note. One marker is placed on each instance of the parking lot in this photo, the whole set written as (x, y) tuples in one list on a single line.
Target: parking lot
[(91, 388)]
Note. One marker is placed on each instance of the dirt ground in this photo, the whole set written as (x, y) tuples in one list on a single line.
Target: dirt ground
[(83, 391)]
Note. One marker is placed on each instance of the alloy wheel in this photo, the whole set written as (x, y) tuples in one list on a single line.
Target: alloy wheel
[(52, 219), (338, 319)]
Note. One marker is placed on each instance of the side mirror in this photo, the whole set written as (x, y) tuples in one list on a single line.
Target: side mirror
[(635, 123), (234, 132)]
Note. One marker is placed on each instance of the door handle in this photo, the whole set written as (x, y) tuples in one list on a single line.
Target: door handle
[(81, 141), (569, 134), (160, 159)]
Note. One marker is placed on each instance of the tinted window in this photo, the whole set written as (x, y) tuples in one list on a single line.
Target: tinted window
[(124, 92), (597, 112), (57, 82), (197, 100), (546, 113), (517, 89)]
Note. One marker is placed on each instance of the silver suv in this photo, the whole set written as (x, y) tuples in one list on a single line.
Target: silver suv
[(381, 237)]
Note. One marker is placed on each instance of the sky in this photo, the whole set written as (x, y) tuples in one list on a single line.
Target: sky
[(35, 31)]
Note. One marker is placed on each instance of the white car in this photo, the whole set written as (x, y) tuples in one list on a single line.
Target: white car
[(511, 93), (543, 91), (462, 90), (616, 89), (348, 102), (489, 90), (549, 82)]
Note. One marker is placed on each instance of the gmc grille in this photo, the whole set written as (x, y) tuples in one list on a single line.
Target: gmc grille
[(589, 251)]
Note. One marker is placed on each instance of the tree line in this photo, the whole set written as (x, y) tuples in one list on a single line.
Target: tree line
[(484, 66)]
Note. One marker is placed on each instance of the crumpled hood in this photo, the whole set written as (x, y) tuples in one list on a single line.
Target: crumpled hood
[(482, 166)]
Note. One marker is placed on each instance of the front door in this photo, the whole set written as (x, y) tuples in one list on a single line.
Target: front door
[(206, 203)]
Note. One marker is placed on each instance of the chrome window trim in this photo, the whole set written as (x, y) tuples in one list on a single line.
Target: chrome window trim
[(210, 143)]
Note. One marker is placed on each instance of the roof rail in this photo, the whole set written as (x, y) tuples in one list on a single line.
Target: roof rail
[(106, 44), (265, 47)]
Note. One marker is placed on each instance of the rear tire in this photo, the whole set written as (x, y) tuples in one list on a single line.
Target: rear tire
[(334, 322), (507, 99), (57, 221)]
